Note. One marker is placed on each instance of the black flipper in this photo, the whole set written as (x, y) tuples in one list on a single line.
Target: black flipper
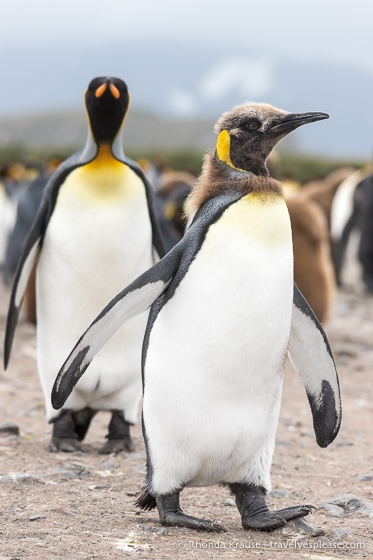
[(135, 299), (311, 356), (34, 242), (25, 266)]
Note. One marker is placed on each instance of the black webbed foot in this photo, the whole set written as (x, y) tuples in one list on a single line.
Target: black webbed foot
[(254, 510), (171, 514), (117, 445), (67, 445), (64, 436), (69, 429), (119, 438)]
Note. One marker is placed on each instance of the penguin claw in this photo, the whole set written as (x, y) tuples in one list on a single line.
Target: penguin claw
[(295, 512), (68, 445), (117, 445), (182, 520), (267, 521)]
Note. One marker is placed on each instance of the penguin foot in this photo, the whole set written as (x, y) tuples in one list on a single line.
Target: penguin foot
[(182, 520), (269, 520), (117, 445), (64, 436), (254, 510), (170, 514), (64, 444), (119, 438)]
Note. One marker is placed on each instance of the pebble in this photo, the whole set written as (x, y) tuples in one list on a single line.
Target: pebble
[(342, 442), (307, 433), (229, 502), (68, 472), (282, 442), (342, 531), (13, 439), (9, 428), (333, 510), (303, 527), (161, 530), (138, 455), (20, 478), (132, 494), (348, 502), (98, 487), (365, 477), (107, 465), (278, 493), (37, 516)]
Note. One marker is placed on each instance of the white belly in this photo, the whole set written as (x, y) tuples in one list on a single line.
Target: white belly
[(213, 374), (93, 248)]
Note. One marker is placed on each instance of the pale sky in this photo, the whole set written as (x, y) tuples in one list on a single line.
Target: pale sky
[(331, 30), (197, 57)]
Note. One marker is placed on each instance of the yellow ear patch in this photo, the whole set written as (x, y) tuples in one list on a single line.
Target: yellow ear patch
[(223, 150)]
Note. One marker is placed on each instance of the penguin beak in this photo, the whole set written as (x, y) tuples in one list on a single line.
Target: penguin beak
[(113, 90), (286, 124), (100, 90)]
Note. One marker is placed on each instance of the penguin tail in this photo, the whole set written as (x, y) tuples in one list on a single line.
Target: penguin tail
[(146, 501)]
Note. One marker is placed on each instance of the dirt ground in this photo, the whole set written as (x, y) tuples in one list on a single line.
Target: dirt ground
[(81, 505)]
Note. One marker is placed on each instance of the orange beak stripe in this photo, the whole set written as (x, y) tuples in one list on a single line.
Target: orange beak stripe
[(100, 90), (114, 91)]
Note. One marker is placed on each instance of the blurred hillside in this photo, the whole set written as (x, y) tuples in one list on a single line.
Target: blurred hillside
[(184, 141), (143, 131), (186, 83)]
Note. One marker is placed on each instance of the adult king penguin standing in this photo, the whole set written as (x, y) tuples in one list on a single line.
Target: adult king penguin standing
[(224, 314), (95, 232)]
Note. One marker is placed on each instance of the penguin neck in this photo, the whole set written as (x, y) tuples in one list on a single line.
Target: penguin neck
[(218, 178), (92, 148), (251, 165), (251, 160)]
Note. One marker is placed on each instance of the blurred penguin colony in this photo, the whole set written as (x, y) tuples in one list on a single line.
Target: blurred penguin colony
[(331, 217)]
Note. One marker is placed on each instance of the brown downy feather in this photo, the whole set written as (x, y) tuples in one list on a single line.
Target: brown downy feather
[(218, 178), (323, 192), (313, 271)]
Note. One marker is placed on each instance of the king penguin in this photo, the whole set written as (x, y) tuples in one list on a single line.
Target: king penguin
[(95, 231), (224, 314)]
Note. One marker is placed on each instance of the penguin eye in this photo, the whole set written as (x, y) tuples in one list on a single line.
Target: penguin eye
[(253, 125)]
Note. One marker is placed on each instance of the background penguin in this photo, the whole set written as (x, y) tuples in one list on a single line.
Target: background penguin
[(224, 313), (323, 191), (95, 231), (313, 268), (350, 210)]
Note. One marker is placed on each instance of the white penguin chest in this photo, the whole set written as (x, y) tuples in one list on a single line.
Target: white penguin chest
[(100, 230), (230, 316)]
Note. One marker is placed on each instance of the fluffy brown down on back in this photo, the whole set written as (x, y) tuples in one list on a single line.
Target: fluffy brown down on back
[(323, 192), (217, 178), (313, 271)]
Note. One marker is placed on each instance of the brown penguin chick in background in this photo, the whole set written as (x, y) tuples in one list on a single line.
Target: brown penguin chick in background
[(322, 192), (313, 269)]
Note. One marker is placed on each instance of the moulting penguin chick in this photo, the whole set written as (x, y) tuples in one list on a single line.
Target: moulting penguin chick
[(224, 313)]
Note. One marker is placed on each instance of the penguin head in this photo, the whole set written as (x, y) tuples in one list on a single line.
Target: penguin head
[(107, 101), (248, 133)]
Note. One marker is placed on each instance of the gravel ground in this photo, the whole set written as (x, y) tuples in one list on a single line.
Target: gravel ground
[(65, 506)]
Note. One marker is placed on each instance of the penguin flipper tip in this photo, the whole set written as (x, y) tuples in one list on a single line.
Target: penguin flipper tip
[(69, 375)]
